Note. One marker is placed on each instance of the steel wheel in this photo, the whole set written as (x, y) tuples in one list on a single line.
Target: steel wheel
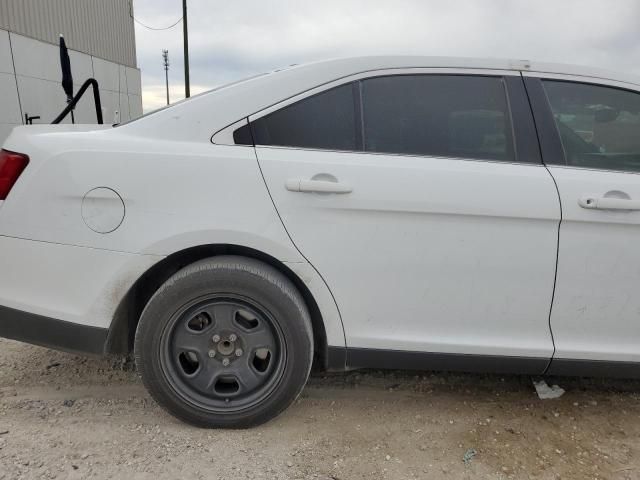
[(225, 342), (223, 353)]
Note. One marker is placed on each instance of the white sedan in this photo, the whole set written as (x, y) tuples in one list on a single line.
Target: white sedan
[(386, 212)]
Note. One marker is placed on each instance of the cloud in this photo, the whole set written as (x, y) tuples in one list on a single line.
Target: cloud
[(155, 96), (231, 40)]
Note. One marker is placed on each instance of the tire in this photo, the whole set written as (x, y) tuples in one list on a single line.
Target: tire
[(226, 342)]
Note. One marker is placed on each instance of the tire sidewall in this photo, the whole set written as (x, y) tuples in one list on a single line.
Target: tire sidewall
[(227, 275)]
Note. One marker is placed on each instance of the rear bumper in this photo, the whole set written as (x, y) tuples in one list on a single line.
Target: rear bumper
[(63, 296), (50, 332), (67, 282)]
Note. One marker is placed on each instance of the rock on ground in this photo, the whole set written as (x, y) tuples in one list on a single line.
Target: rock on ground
[(65, 416)]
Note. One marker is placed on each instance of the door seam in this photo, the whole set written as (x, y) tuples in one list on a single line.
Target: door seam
[(555, 277), (266, 186)]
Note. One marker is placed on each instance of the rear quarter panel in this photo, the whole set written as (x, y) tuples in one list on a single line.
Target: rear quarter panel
[(177, 195)]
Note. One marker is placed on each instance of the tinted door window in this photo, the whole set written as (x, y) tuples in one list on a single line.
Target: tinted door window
[(437, 115), (599, 126), (324, 121)]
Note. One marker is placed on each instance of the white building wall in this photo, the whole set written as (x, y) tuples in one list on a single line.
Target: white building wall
[(10, 114), (30, 83), (97, 27)]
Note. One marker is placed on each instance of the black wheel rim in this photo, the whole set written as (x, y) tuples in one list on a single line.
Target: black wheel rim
[(223, 353)]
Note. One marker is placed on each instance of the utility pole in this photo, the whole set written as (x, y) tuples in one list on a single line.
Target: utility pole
[(165, 62), (185, 34)]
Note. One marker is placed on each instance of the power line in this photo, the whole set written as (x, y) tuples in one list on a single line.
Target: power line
[(156, 28), (147, 26)]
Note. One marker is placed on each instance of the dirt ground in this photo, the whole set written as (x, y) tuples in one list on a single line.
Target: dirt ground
[(65, 416)]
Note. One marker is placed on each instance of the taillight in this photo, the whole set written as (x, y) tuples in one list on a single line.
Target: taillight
[(11, 166)]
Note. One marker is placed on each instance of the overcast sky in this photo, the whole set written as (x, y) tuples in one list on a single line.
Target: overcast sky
[(232, 40)]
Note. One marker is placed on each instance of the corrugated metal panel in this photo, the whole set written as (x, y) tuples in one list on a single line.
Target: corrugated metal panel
[(102, 28)]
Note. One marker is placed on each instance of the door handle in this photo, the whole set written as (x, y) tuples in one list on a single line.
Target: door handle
[(609, 203), (316, 186)]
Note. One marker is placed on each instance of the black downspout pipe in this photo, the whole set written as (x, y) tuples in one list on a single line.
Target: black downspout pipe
[(71, 105)]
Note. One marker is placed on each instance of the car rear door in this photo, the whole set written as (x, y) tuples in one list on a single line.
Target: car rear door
[(590, 135), (420, 198)]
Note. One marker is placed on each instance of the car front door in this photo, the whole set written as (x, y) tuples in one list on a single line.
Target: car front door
[(590, 134), (421, 199)]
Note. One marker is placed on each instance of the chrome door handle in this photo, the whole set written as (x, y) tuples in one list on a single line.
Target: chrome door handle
[(609, 203), (316, 186)]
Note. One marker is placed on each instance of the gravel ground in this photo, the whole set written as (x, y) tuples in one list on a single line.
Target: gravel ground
[(65, 416)]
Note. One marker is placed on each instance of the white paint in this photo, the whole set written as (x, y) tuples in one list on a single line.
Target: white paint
[(435, 254), (40, 281), (231, 103), (102, 210), (423, 253), (177, 195), (326, 304), (596, 306)]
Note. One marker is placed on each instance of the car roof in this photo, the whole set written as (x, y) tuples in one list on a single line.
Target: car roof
[(226, 105), (368, 63)]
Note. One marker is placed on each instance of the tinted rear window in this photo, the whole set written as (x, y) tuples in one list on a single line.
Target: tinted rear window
[(599, 126), (437, 115), (323, 121), (430, 115)]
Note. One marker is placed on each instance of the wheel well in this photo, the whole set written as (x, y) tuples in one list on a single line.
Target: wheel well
[(125, 321)]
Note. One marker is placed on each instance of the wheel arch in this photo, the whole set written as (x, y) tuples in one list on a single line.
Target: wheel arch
[(125, 320)]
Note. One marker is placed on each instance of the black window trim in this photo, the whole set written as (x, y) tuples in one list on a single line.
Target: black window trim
[(525, 135), (525, 147), (551, 146), (358, 114)]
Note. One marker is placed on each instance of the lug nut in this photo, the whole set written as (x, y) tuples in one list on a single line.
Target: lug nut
[(225, 362), (232, 337), (212, 353), (216, 338), (238, 352)]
